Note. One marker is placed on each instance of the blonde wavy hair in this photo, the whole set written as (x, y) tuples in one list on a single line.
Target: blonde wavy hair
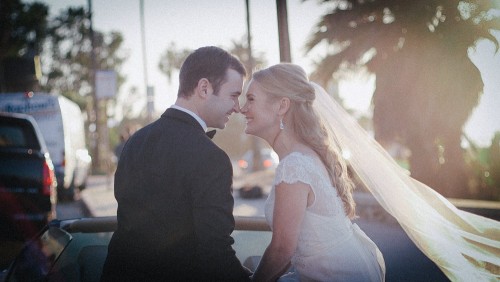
[(289, 80)]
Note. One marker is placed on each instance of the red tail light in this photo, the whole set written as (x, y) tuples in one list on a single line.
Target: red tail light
[(48, 179), (267, 163), (242, 164)]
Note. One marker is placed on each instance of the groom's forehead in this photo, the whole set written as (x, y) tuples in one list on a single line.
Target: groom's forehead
[(233, 83)]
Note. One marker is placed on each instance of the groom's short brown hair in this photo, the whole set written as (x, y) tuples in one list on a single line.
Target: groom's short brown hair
[(208, 62)]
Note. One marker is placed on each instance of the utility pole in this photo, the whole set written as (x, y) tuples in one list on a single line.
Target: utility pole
[(149, 90), (94, 115), (249, 40), (255, 143), (284, 38)]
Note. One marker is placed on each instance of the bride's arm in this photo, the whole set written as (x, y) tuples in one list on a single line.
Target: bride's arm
[(289, 209)]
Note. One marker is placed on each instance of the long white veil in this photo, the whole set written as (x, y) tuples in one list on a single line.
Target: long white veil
[(465, 246)]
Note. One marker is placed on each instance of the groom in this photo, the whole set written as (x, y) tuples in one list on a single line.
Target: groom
[(173, 184)]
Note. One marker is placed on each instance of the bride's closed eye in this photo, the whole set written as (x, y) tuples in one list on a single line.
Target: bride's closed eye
[(250, 96)]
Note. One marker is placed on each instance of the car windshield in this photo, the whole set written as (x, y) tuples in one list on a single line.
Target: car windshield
[(39, 255)]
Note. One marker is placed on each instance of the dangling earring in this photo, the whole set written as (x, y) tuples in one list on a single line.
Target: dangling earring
[(282, 125)]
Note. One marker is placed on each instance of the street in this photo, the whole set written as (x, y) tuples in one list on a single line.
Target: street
[(66, 210), (78, 208)]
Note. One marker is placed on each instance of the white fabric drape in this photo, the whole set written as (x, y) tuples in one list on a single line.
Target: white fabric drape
[(465, 246)]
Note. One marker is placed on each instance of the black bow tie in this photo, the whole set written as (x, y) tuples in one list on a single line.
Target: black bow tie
[(211, 133)]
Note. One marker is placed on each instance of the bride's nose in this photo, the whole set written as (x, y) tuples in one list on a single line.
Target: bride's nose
[(244, 109), (236, 107)]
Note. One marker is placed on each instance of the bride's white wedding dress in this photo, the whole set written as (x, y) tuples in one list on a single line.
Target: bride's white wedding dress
[(465, 246), (330, 247)]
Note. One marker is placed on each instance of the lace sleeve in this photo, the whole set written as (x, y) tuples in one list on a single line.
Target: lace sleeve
[(293, 168)]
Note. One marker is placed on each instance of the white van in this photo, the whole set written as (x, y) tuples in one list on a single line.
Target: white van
[(62, 126)]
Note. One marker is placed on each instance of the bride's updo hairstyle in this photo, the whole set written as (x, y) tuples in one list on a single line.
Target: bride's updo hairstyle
[(289, 80)]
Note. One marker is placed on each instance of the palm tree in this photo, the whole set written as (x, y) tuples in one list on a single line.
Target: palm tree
[(426, 85)]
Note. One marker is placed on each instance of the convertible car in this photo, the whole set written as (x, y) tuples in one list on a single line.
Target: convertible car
[(75, 250)]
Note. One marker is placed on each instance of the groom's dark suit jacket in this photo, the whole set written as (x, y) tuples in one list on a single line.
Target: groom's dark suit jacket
[(173, 187)]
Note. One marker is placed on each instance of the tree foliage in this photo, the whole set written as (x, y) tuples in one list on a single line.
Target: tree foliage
[(64, 43), (172, 58), (426, 85), (22, 31), (68, 55), (22, 27)]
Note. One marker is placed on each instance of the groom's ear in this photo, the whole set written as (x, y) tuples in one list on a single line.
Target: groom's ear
[(203, 87), (284, 106)]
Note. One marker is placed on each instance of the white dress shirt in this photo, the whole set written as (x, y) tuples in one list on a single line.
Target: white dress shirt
[(195, 116)]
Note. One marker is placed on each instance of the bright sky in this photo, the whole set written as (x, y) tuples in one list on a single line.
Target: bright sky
[(195, 23)]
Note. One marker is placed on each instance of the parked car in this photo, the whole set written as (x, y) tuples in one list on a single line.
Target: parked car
[(269, 160), (27, 181), (62, 125)]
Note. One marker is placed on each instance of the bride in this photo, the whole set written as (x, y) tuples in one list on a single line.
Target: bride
[(310, 205)]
